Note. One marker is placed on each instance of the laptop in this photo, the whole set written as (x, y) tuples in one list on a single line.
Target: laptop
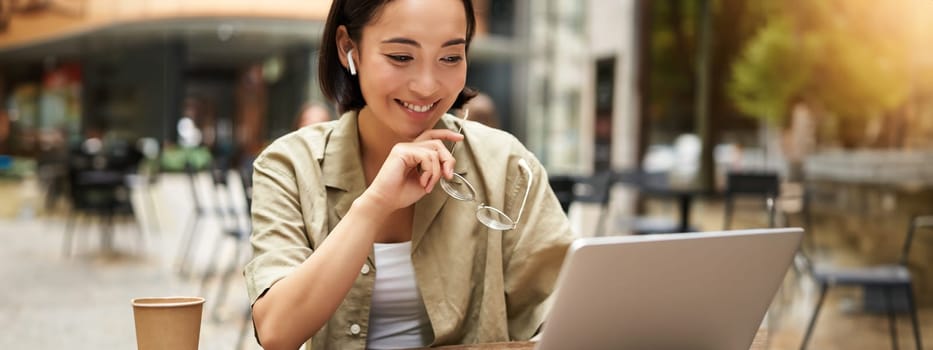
[(703, 290)]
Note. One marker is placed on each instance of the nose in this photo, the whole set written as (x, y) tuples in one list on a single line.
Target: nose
[(424, 83)]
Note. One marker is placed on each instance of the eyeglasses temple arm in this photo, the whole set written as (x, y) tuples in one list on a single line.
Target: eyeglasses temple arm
[(527, 170), (466, 115)]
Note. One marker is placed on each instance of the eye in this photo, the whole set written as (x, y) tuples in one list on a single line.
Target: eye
[(400, 58), (452, 59)]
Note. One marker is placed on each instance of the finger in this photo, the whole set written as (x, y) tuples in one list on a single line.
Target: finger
[(434, 144), (424, 179), (435, 171), (444, 156), (425, 158), (427, 162), (449, 165), (409, 157), (439, 134), (447, 162)]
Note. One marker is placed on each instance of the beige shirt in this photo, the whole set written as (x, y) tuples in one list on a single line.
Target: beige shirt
[(479, 285)]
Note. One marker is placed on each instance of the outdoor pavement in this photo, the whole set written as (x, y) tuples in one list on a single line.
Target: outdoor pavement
[(50, 301), (82, 301)]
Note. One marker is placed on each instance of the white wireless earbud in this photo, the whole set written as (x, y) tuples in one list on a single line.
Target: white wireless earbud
[(350, 62)]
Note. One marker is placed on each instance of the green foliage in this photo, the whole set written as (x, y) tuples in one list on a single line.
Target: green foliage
[(674, 53), (771, 72), (851, 59), (173, 159)]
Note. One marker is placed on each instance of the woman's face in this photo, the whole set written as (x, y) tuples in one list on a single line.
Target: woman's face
[(412, 63)]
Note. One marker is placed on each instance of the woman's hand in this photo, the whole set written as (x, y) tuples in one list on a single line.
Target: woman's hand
[(412, 169)]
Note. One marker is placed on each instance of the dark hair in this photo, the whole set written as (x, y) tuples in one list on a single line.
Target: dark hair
[(336, 83)]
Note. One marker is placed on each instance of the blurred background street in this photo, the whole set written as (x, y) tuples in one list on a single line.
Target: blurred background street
[(82, 301), (127, 126)]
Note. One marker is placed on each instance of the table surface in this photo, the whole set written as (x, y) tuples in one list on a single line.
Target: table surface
[(759, 343)]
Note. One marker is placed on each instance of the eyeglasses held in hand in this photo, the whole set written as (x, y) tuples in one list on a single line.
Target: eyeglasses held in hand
[(459, 188)]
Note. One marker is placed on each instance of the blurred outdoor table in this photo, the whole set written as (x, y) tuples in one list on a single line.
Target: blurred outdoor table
[(665, 185), (759, 343)]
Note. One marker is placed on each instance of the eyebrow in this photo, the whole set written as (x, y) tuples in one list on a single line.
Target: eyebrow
[(407, 41)]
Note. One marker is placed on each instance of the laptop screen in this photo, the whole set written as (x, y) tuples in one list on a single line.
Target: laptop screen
[(705, 290)]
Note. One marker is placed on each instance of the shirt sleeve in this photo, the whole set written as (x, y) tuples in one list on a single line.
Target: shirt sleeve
[(533, 252), (278, 238)]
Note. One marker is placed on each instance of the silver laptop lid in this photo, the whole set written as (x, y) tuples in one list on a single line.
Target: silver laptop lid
[(707, 290)]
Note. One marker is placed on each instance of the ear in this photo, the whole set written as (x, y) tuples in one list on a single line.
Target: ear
[(344, 43)]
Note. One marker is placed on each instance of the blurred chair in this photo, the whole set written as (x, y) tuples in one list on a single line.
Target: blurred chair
[(796, 201), (595, 189), (890, 279), (150, 174), (232, 230), (802, 200), (232, 220), (563, 186), (763, 185), (793, 201), (97, 186), (190, 234), (246, 177)]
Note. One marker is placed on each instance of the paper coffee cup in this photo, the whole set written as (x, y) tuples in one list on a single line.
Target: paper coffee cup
[(168, 323)]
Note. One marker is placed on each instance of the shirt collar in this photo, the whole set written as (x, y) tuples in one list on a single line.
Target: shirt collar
[(340, 161)]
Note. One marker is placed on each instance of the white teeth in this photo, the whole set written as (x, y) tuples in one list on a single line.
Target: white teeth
[(417, 108)]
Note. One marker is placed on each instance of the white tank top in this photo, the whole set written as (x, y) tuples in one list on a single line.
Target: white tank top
[(397, 318)]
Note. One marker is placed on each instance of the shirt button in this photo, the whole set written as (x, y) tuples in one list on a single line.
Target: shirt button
[(355, 329), (365, 269)]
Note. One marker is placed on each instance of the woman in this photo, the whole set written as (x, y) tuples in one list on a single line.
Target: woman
[(403, 264)]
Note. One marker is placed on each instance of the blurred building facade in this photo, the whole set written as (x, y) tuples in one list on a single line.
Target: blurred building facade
[(133, 69), (582, 101), (562, 73)]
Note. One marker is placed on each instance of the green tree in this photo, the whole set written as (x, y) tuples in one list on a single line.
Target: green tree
[(690, 46), (771, 73), (849, 58)]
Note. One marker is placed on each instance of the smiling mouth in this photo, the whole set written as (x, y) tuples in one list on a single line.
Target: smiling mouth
[(416, 108)]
